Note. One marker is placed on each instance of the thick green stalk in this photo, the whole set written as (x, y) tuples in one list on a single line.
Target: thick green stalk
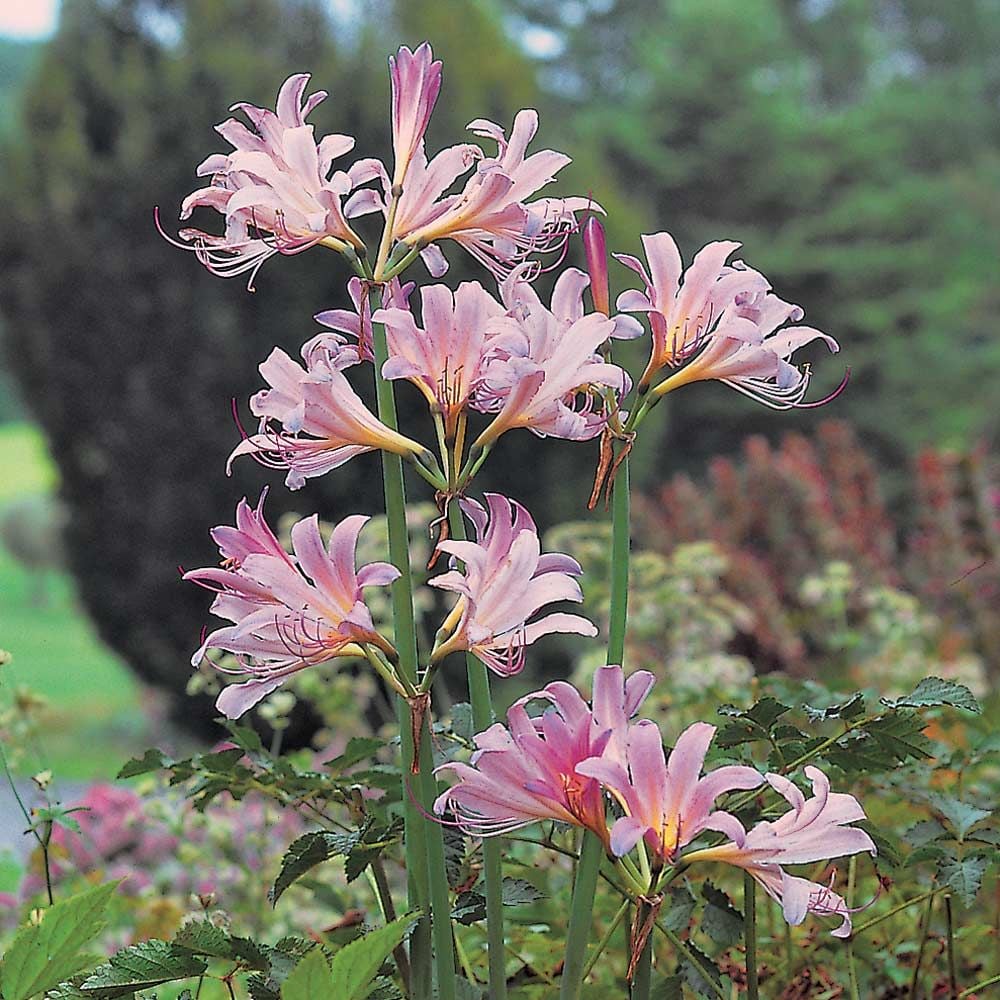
[(482, 718), (643, 972), (852, 968), (423, 869), (750, 933), (589, 866)]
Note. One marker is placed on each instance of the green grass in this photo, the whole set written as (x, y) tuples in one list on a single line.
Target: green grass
[(94, 722)]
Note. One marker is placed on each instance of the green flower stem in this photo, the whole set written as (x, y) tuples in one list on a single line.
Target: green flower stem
[(925, 927), (906, 904), (750, 932), (423, 839), (482, 718), (606, 939), (950, 932), (643, 968), (589, 866), (992, 981)]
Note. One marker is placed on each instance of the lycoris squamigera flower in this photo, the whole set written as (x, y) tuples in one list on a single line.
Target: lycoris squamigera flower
[(277, 189), (289, 611), (814, 829), (323, 421), (544, 371), (446, 358), (357, 325), (505, 582), (666, 804), (526, 771), (717, 321)]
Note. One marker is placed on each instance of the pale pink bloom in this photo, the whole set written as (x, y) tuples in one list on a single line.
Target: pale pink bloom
[(277, 189), (288, 611), (357, 325), (416, 82), (311, 420), (526, 771), (506, 580), (719, 322), (666, 805), (446, 357), (812, 830), (491, 217), (749, 352), (544, 372)]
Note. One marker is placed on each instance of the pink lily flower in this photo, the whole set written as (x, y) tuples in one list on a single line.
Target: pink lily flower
[(506, 580), (446, 359), (288, 611), (666, 806), (526, 771), (719, 322), (544, 371), (812, 830), (324, 422), (490, 217), (416, 82), (275, 189)]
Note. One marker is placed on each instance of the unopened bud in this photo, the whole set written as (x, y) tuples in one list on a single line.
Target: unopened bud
[(595, 248)]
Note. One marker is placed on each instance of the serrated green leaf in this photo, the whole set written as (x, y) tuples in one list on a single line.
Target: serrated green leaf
[(44, 955), (152, 760), (667, 988), (960, 816), (354, 967), (140, 967), (721, 921), (924, 832), (519, 892), (358, 748), (203, 938), (304, 854), (850, 709), (700, 972), (469, 908), (963, 877), (933, 691), (928, 852), (678, 905), (311, 979)]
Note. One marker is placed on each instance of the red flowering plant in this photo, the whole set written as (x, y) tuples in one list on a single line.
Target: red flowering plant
[(446, 797)]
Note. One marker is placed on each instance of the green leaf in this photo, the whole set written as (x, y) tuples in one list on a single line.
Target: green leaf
[(518, 892), (924, 832), (311, 979), (151, 761), (461, 721), (960, 816), (354, 967), (850, 709), (203, 938), (721, 921), (678, 905), (667, 988), (753, 724), (700, 973), (358, 748), (887, 844), (935, 691), (304, 854), (464, 990), (45, 954), (469, 908), (140, 967), (963, 877)]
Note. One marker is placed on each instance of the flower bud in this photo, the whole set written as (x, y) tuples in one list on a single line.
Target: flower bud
[(596, 250)]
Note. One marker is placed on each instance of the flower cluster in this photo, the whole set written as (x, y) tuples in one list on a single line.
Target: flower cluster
[(569, 763)]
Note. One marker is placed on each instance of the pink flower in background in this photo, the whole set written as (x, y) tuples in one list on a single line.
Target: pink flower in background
[(323, 421), (416, 82), (288, 612), (276, 189), (544, 372), (666, 805), (812, 830), (506, 580), (356, 325), (718, 321), (446, 358), (526, 771)]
